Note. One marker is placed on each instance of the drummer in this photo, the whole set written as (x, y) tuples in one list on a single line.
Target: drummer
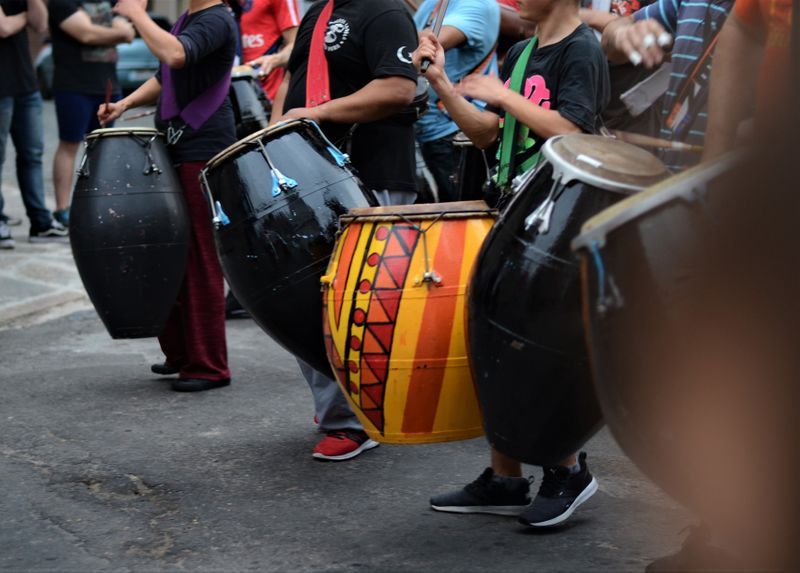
[(469, 35), (194, 111), (563, 79), (351, 72), (269, 28)]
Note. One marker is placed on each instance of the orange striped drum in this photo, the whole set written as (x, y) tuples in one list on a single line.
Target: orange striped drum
[(395, 298)]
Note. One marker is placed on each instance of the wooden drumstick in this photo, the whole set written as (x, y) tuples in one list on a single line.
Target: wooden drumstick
[(411, 4), (139, 115), (648, 141), (437, 27), (109, 89)]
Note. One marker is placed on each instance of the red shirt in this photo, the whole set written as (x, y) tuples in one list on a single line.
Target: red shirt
[(263, 22)]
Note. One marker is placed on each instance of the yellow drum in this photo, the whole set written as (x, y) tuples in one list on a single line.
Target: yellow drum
[(394, 298)]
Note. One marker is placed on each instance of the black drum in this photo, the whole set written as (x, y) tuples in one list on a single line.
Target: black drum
[(659, 306), (277, 197), (472, 171), (525, 332), (251, 106), (129, 230)]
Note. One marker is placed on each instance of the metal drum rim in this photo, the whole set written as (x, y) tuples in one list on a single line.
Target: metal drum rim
[(243, 143), (420, 212), (243, 71), (114, 131), (568, 172), (679, 187)]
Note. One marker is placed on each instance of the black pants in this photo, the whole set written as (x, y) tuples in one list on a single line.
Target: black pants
[(441, 157)]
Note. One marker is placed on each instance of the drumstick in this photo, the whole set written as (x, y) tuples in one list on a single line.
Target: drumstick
[(647, 141), (139, 115), (411, 4), (437, 27), (109, 89)]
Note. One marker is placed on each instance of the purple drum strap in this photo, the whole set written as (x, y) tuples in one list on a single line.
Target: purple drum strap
[(200, 108)]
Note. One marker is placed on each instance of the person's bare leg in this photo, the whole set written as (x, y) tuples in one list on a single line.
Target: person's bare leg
[(569, 462), (502, 465), (63, 168)]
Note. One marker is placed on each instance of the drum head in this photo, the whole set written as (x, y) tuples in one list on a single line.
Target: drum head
[(603, 162), (244, 144), (684, 186), (123, 131)]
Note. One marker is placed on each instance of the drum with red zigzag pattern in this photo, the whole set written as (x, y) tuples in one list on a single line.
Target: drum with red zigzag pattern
[(393, 319)]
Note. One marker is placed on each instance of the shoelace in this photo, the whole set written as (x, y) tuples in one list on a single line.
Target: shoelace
[(554, 482)]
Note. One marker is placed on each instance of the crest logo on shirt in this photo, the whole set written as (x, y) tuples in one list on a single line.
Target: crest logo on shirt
[(337, 34), (404, 55)]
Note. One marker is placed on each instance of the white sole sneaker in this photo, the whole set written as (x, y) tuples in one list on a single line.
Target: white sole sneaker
[(505, 510), (368, 445), (588, 492), (7, 244)]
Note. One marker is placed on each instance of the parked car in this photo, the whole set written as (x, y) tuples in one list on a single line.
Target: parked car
[(135, 65)]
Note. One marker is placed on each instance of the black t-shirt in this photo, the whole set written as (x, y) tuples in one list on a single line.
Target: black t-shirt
[(15, 59), (366, 40), (80, 67), (209, 39), (570, 77)]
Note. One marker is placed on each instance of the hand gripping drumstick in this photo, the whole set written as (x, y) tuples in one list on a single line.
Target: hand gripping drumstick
[(437, 27)]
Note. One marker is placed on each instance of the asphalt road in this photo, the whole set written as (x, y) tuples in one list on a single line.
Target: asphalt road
[(104, 468)]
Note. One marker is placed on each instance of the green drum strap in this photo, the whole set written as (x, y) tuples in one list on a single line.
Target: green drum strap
[(509, 140)]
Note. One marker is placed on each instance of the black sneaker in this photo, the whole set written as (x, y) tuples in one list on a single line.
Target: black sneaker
[(6, 240), (198, 384), (697, 554), (233, 309), (560, 495), (165, 369), (55, 233), (492, 494)]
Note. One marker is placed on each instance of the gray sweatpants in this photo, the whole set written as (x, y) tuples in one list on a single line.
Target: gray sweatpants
[(331, 407)]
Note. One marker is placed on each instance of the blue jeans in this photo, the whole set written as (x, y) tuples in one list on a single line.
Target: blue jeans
[(21, 117)]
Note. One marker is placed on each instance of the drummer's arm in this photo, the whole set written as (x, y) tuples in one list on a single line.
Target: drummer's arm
[(146, 94), (738, 55), (379, 99), (482, 127), (280, 97), (166, 47)]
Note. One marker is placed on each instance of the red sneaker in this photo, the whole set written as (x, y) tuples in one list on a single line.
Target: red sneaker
[(341, 445)]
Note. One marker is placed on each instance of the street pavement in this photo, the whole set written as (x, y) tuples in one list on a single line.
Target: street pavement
[(104, 468)]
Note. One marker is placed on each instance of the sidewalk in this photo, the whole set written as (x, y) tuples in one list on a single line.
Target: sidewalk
[(38, 282)]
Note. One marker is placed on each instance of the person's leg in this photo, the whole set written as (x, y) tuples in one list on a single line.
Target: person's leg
[(330, 406), (75, 114), (441, 157), (203, 303), (6, 114), (27, 133), (502, 465)]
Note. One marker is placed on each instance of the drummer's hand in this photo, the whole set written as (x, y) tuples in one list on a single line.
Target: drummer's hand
[(312, 113), (129, 8), (111, 113), (643, 42), (265, 64), (484, 88), (429, 49), (126, 27)]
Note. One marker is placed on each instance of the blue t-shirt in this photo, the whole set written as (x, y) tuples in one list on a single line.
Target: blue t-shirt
[(693, 25), (479, 21)]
